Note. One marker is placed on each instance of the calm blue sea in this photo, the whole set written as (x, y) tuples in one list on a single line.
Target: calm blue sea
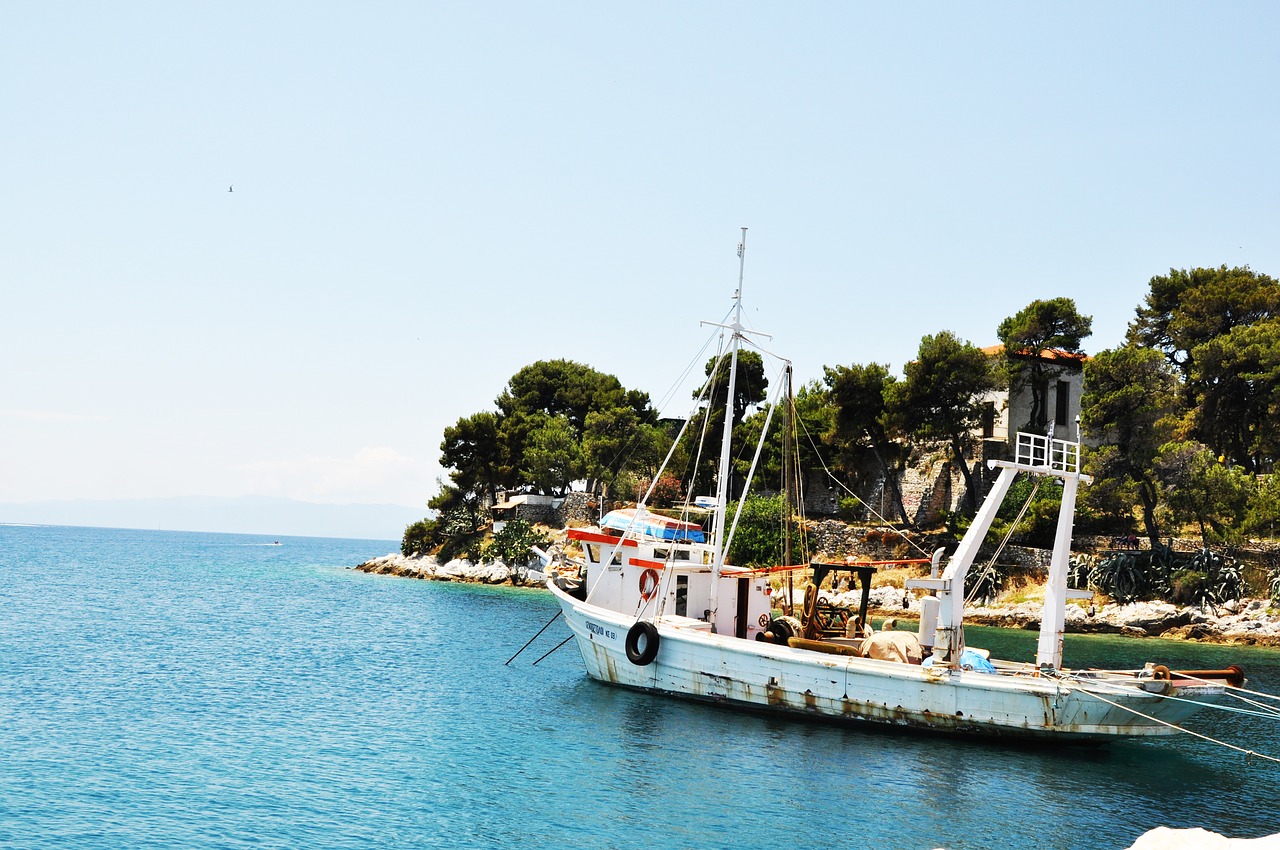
[(208, 690)]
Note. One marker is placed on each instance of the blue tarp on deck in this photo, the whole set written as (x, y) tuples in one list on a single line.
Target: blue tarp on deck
[(653, 525)]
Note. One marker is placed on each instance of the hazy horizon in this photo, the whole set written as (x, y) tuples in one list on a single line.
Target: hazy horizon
[(257, 515)]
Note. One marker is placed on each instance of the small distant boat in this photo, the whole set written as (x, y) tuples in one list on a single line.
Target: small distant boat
[(654, 606)]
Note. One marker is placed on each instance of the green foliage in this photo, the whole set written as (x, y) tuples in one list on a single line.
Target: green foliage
[(858, 434), (1203, 578), (1263, 511), (451, 503), (419, 537), (1040, 522), (1185, 309), (1237, 377), (512, 544), (557, 421), (859, 398), (1124, 576), (618, 439), (1129, 410), (552, 455), (943, 395), (1223, 577), (1199, 488), (758, 539), (460, 536), (750, 386), (1189, 587), (851, 509), (1080, 571), (469, 547), (472, 449), (569, 389), (1220, 328)]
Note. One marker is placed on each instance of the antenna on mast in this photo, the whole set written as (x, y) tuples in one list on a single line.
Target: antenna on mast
[(742, 265)]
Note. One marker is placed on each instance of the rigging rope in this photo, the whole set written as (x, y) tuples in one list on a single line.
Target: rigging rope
[(990, 565), (842, 486), (1174, 726)]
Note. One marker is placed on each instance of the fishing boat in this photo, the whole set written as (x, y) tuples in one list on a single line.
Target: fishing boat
[(654, 608)]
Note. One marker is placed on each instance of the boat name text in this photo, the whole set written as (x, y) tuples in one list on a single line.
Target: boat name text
[(602, 631)]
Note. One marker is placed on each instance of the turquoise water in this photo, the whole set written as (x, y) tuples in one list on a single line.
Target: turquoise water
[(201, 690)]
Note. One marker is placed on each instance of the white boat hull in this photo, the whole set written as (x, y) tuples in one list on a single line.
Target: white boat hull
[(692, 662)]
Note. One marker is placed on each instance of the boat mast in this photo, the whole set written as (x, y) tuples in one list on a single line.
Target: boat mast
[(789, 489), (722, 476)]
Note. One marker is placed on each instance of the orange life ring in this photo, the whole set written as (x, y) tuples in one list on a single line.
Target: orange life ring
[(648, 584)]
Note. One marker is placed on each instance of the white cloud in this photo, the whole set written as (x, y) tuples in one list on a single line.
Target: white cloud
[(377, 474)]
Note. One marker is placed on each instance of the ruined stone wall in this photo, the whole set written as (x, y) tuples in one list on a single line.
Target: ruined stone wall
[(577, 509)]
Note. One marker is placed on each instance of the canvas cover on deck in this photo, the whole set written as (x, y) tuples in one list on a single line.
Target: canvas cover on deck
[(653, 525)]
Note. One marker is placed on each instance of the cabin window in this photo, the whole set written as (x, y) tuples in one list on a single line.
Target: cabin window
[(593, 552), (661, 554), (682, 596), (1063, 407)]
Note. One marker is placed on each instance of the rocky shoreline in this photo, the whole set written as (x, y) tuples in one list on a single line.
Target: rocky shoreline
[(1251, 622), (426, 567)]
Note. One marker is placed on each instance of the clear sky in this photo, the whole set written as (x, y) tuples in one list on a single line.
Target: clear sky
[(428, 196)]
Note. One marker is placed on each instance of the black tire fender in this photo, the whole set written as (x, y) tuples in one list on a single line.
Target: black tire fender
[(642, 643)]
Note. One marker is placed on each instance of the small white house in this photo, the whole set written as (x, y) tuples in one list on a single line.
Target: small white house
[(1061, 387)]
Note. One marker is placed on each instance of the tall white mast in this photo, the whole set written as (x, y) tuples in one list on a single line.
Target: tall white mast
[(722, 477)]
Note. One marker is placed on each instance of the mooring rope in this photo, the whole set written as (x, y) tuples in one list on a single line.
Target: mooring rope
[(1121, 688), (1176, 727)]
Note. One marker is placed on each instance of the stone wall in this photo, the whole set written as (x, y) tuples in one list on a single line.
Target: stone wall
[(538, 513), (577, 509)]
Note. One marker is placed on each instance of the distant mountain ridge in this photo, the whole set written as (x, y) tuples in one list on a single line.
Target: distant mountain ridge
[(267, 515)]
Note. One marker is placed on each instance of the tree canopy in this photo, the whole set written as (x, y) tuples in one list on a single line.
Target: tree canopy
[(943, 394), (1221, 329), (1129, 409)]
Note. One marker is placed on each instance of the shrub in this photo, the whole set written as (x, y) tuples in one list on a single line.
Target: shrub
[(419, 537), (758, 539), (850, 509), (467, 546), (511, 544), (666, 492), (1190, 587)]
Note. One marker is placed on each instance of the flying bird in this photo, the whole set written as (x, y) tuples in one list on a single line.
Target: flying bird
[(231, 188)]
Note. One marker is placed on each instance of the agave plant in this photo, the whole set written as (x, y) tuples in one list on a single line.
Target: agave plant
[(1223, 577), (1080, 571), (1273, 586), (1122, 576), (984, 583)]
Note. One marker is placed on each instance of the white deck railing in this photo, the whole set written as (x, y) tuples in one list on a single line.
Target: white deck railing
[(1038, 451)]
